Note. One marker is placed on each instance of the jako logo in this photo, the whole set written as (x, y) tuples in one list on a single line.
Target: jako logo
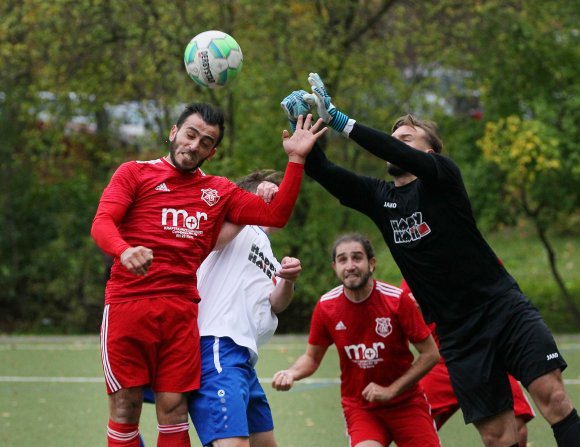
[(360, 351), (552, 356), (187, 221)]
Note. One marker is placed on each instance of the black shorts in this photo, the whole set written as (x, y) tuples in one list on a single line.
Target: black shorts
[(508, 334)]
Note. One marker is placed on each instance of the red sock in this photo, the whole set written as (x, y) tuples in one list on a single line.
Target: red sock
[(122, 435), (176, 435)]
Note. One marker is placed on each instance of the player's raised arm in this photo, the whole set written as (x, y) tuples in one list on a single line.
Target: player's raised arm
[(251, 210), (298, 146), (395, 150)]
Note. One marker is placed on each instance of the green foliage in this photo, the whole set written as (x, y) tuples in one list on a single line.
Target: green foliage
[(448, 61)]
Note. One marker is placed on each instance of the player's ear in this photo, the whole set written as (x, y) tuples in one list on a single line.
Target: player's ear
[(211, 154), (372, 264), (173, 132)]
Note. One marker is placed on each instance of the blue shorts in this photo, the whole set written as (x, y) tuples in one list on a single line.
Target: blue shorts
[(230, 401)]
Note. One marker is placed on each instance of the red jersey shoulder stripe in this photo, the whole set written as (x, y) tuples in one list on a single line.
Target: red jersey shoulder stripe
[(150, 162), (388, 289), (331, 294)]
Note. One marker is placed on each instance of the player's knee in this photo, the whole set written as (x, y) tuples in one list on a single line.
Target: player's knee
[(498, 430), (522, 435), (125, 406), (558, 405), (171, 408)]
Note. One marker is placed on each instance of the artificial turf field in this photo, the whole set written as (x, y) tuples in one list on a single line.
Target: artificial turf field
[(52, 394)]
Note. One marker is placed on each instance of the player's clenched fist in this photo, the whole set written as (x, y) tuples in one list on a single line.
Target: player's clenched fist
[(137, 259), (282, 380)]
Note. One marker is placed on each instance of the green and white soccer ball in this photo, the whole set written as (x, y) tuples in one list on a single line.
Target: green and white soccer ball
[(213, 59)]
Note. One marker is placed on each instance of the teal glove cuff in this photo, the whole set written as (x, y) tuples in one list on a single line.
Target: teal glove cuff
[(338, 121)]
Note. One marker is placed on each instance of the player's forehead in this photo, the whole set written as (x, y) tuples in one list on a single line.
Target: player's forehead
[(349, 248), (197, 123), (406, 131)]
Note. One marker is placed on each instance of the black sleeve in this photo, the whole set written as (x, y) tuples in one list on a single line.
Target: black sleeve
[(388, 148), (349, 188)]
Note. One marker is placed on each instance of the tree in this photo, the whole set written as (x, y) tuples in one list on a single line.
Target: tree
[(379, 58), (527, 153)]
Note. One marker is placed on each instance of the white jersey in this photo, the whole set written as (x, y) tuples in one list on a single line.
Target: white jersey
[(235, 284)]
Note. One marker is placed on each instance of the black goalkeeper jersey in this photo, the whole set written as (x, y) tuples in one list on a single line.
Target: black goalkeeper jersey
[(428, 225)]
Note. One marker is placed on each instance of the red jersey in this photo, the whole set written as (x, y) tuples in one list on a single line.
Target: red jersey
[(178, 215), (372, 338)]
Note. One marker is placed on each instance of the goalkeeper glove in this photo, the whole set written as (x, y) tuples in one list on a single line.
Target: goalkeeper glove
[(294, 106), (326, 110)]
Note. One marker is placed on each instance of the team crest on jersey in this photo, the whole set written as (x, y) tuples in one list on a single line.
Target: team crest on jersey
[(384, 327), (210, 196)]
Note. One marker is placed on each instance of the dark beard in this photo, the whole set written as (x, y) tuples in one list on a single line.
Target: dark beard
[(174, 162), (395, 171), (363, 281)]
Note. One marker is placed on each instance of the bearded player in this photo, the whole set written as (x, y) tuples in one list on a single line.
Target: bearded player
[(371, 326), (160, 219)]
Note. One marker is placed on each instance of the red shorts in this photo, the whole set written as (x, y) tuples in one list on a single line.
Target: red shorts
[(440, 395), (407, 424), (522, 407), (153, 342)]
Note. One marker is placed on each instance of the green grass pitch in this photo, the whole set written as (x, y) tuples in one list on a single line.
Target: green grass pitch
[(52, 393)]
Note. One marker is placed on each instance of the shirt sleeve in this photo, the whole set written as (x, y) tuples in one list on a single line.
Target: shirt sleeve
[(429, 167), (104, 230), (249, 209), (318, 333), (411, 319), (349, 188), (114, 203)]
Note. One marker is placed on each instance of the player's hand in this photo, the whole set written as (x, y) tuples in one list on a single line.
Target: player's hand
[(267, 190), (283, 380), (321, 100), (294, 106), (377, 393), (299, 145), (137, 259), (290, 269)]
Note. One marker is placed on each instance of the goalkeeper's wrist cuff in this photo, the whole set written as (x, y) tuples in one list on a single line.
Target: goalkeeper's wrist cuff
[(348, 128), (339, 121)]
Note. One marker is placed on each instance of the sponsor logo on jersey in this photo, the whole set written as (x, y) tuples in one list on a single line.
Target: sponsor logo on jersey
[(552, 356), (181, 223), (210, 196), (162, 187), (390, 205), (383, 327), (340, 326), (409, 229), (365, 357), (261, 261)]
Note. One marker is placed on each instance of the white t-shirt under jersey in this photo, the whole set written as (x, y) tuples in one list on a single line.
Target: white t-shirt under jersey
[(235, 284)]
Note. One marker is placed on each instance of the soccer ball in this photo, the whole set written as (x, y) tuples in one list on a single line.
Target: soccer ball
[(213, 59)]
